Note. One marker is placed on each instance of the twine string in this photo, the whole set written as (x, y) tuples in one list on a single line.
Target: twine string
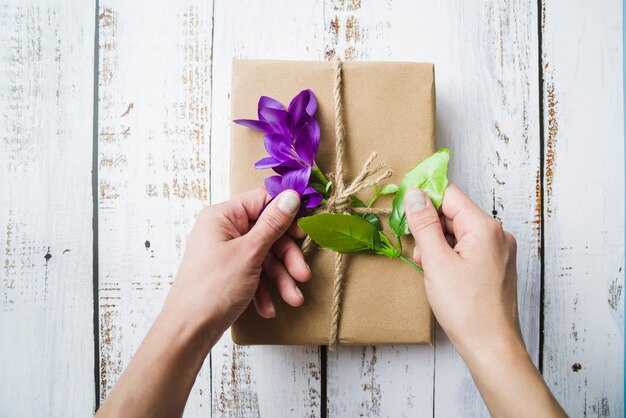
[(340, 200)]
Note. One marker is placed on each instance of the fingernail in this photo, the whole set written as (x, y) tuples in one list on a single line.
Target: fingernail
[(415, 200), (299, 292), (289, 202), (272, 310)]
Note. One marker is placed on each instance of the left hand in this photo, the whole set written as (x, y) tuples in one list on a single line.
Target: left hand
[(230, 247)]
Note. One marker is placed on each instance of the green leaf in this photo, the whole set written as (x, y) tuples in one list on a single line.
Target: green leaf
[(431, 177), (369, 217), (356, 202), (389, 189), (342, 233), (373, 219)]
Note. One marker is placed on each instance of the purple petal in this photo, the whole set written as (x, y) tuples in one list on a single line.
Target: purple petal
[(297, 109), (297, 179), (312, 106), (255, 124), (266, 101), (309, 190), (267, 162), (278, 119), (279, 147), (273, 185), (308, 141), (287, 166), (312, 197)]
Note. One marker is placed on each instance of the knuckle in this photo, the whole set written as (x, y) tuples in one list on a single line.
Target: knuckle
[(290, 252), (260, 190), (424, 222), (273, 222), (494, 227), (511, 241), (205, 213), (253, 249)]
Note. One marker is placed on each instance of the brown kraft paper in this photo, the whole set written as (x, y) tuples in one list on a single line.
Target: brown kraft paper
[(389, 107)]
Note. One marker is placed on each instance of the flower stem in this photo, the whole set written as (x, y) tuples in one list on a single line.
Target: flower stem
[(372, 201), (315, 170), (410, 263)]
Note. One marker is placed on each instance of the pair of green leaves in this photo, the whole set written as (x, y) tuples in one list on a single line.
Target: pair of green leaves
[(347, 234), (364, 233)]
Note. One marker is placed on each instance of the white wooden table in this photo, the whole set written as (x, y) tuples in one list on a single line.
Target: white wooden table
[(114, 132)]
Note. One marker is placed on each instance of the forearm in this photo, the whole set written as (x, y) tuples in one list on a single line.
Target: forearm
[(509, 383), (160, 376)]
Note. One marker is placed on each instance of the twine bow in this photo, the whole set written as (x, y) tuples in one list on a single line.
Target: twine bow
[(340, 200)]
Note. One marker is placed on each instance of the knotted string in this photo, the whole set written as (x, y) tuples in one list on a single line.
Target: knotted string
[(340, 200)]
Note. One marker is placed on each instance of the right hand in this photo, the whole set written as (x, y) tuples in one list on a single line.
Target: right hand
[(469, 271)]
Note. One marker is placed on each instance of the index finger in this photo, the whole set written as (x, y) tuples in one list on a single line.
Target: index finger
[(252, 202), (461, 211), (243, 209)]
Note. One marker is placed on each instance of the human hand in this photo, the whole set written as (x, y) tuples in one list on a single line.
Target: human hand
[(469, 270), (470, 280), (229, 248)]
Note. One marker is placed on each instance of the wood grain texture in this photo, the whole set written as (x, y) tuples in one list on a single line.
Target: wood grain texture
[(163, 153), (584, 206), (380, 380), (487, 105), (259, 381), (153, 139), (46, 302)]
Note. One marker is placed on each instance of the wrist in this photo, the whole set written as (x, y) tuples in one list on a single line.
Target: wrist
[(488, 341), (192, 332), (500, 352)]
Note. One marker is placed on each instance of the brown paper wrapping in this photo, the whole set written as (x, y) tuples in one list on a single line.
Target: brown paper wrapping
[(389, 107)]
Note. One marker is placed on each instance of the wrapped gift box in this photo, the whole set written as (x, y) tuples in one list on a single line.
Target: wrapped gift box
[(389, 107)]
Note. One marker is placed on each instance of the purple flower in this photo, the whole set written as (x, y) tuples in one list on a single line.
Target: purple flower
[(291, 139), (273, 118), (295, 180)]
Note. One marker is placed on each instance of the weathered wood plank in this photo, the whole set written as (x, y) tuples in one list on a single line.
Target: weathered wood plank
[(583, 349), (380, 380), (46, 294), (259, 381), (153, 139), (488, 108)]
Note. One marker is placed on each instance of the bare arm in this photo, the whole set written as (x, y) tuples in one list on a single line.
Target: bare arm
[(212, 288), (470, 279), (470, 282)]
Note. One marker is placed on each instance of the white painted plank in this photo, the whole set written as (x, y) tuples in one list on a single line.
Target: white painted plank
[(380, 380), (259, 381), (488, 111), (584, 206), (153, 138), (46, 294)]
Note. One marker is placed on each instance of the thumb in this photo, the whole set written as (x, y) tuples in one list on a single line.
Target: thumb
[(273, 222), (424, 224)]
